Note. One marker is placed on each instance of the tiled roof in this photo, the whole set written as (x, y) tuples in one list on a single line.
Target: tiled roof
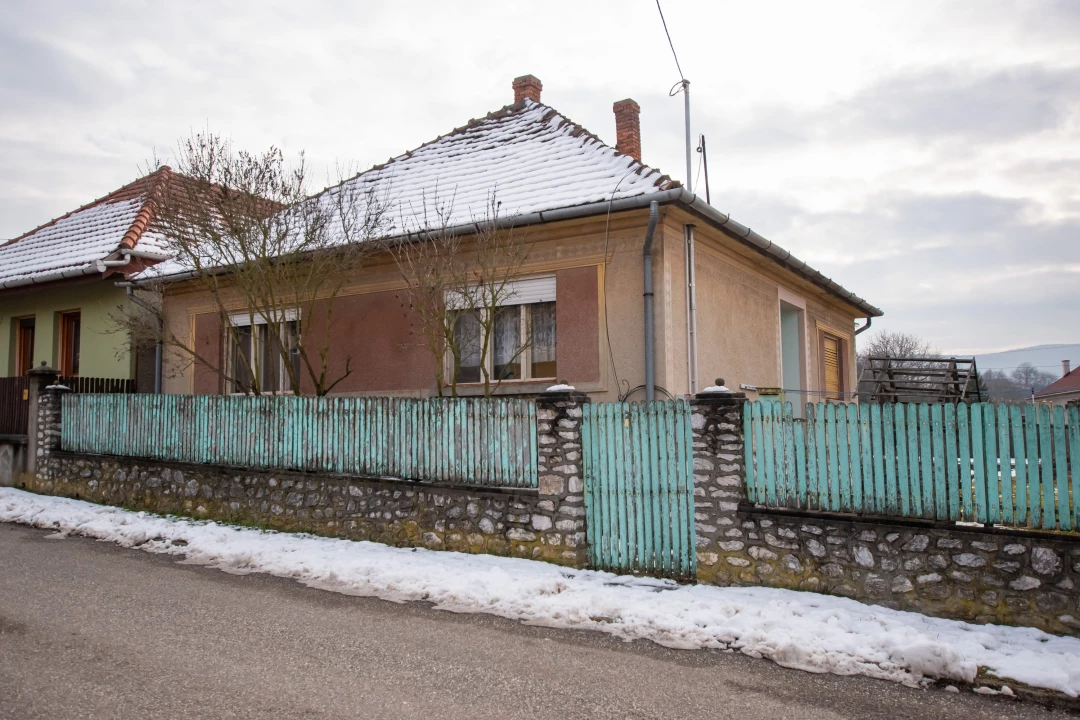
[(528, 155), (1066, 383), (71, 245)]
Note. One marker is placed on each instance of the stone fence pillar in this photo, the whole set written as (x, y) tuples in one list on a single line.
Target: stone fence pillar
[(558, 426), (719, 479), (43, 427)]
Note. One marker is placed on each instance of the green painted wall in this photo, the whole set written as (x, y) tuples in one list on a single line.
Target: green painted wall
[(98, 344)]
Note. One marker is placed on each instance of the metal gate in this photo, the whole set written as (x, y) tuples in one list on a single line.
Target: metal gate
[(639, 493)]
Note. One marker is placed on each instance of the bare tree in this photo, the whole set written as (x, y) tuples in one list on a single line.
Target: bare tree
[(243, 228), (1032, 379), (895, 345), (458, 286)]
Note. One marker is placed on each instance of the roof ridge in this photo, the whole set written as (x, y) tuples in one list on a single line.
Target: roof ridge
[(665, 182), (149, 207), (153, 178)]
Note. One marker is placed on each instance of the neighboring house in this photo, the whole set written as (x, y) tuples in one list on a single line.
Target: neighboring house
[(748, 311), (1063, 390), (57, 284)]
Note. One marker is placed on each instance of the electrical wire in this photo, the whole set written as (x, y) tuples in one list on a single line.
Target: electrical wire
[(682, 78), (607, 237)]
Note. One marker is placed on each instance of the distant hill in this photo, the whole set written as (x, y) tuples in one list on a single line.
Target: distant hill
[(1045, 357)]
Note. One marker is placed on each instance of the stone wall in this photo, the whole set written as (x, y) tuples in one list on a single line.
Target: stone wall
[(970, 573), (544, 524)]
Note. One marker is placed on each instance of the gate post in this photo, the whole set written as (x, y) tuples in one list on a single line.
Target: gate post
[(43, 425), (719, 479), (559, 466)]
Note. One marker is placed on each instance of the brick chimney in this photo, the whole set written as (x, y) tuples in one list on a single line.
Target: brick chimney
[(527, 86), (628, 128), (1064, 368)]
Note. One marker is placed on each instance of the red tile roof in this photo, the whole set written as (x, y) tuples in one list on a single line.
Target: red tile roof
[(1066, 383), (71, 245)]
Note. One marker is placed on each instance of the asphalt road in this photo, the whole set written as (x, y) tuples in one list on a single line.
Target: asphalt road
[(90, 630)]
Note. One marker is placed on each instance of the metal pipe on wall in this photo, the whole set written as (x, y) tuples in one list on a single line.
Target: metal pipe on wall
[(646, 253), (691, 293)]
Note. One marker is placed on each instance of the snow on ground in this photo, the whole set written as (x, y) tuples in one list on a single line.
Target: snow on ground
[(807, 631)]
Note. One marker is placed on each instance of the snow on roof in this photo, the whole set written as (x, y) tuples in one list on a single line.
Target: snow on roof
[(71, 245), (528, 155)]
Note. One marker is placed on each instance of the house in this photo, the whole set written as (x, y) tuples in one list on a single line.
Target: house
[(727, 302), (1064, 390)]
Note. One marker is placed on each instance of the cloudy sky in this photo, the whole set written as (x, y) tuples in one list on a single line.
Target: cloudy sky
[(925, 154)]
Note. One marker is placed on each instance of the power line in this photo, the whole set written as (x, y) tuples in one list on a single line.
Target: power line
[(671, 44)]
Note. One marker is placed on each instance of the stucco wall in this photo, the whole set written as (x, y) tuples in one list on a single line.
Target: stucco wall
[(99, 345), (598, 265)]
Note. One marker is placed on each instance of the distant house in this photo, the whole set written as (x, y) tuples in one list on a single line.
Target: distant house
[(57, 284), (1063, 390), (728, 302)]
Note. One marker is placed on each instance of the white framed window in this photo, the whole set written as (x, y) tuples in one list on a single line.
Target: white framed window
[(522, 342), (255, 352)]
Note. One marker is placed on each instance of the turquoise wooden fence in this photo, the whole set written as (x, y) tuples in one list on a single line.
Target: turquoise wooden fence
[(469, 441), (639, 490), (1009, 465)]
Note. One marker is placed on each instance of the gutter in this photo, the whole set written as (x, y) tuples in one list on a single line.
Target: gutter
[(677, 195), (98, 266)]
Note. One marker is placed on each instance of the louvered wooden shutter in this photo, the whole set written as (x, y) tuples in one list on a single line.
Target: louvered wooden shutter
[(832, 367)]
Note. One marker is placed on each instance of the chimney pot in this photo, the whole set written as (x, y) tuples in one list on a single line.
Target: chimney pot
[(628, 128), (527, 86), (1065, 368)]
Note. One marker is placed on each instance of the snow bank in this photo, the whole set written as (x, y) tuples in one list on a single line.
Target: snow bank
[(811, 632)]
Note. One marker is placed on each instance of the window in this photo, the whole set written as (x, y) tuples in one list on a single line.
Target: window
[(70, 326), (24, 346), (256, 353), (832, 365), (522, 343)]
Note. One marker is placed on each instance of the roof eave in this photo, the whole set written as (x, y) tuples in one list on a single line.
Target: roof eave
[(675, 195)]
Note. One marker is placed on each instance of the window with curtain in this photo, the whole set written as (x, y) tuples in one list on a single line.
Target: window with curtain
[(522, 343)]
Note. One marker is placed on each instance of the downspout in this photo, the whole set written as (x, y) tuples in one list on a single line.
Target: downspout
[(157, 347), (646, 253), (691, 314), (866, 326)]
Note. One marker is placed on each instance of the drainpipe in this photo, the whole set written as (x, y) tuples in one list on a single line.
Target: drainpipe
[(646, 252), (157, 347), (866, 326), (691, 314)]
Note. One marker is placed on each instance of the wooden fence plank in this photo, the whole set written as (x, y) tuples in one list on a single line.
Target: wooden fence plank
[(748, 453), (903, 479), (963, 437), (865, 447), (978, 440), (842, 453), (952, 478), (1061, 470), (790, 489), (1046, 463), (993, 486), (1008, 482), (1074, 457), (800, 463), (813, 478), (937, 421), (926, 460)]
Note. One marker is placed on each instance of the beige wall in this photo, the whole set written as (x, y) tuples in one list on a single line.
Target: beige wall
[(737, 299)]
